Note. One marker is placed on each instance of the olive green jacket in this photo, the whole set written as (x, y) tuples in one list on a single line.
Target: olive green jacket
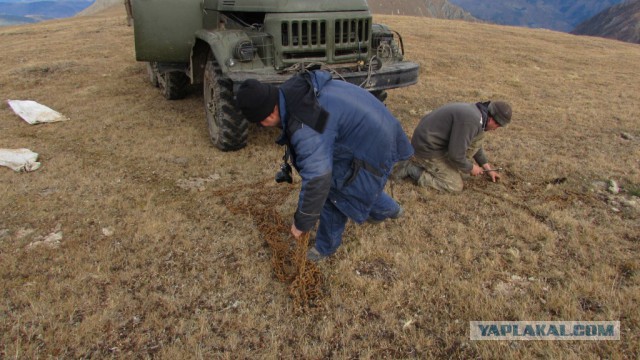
[(449, 132)]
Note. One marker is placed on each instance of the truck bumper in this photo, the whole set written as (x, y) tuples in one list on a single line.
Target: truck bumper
[(390, 76)]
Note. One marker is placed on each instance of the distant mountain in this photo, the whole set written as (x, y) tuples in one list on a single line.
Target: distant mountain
[(441, 9), (14, 12), (7, 20), (561, 15), (620, 22)]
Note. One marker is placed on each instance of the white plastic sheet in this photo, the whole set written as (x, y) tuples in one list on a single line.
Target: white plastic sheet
[(19, 159), (35, 113)]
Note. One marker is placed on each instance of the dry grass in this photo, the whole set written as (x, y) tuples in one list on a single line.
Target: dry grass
[(152, 264)]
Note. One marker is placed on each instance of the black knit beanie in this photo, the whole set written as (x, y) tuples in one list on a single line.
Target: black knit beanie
[(256, 100)]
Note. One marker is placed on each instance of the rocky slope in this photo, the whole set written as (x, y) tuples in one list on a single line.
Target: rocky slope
[(621, 22)]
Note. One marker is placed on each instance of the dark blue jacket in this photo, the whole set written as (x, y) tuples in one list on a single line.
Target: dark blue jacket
[(345, 157)]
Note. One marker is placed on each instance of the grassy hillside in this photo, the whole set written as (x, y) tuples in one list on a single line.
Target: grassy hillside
[(163, 250)]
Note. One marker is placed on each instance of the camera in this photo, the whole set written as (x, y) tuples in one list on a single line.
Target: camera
[(284, 175)]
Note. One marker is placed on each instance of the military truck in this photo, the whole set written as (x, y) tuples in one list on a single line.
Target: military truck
[(220, 43)]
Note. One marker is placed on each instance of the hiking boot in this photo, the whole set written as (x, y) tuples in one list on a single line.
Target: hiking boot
[(399, 171), (314, 255), (414, 172), (398, 214)]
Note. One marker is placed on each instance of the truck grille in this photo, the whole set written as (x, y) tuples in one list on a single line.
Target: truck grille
[(325, 40), (304, 33)]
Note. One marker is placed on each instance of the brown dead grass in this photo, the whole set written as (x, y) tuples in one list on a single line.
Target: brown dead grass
[(152, 264)]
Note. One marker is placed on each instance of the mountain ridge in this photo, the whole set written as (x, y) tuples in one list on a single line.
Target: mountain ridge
[(559, 15), (619, 22), (441, 9)]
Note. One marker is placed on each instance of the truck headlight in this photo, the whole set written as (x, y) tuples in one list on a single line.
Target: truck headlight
[(244, 51)]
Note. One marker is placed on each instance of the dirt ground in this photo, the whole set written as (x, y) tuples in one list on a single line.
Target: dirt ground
[(138, 239)]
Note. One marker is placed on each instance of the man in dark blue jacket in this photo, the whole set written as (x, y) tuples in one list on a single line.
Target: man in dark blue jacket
[(343, 142)]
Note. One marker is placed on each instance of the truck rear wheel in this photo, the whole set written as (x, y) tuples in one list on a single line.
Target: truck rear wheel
[(227, 128), (152, 73), (173, 84)]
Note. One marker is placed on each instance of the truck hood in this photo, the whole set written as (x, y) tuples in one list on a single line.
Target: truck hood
[(286, 6)]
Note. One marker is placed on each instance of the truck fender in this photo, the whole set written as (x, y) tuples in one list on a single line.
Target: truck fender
[(220, 44)]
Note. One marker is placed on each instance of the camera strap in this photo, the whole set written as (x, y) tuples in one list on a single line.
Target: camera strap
[(284, 175), (287, 154)]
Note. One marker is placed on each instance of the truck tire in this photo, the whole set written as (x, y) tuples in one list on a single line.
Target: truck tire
[(228, 129), (380, 95), (173, 84), (152, 73)]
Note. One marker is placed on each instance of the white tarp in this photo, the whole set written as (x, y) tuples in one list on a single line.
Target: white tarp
[(35, 113), (19, 159)]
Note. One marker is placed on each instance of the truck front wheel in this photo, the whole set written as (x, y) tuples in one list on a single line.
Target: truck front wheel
[(227, 128), (380, 95)]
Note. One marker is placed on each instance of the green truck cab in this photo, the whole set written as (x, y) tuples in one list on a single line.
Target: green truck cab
[(220, 43)]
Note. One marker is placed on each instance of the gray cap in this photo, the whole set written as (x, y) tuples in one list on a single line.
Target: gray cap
[(501, 112)]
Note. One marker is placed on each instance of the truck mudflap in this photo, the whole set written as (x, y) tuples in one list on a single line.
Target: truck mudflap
[(390, 76)]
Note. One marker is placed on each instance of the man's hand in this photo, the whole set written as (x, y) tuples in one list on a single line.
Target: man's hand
[(476, 170), (295, 232), (495, 176)]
